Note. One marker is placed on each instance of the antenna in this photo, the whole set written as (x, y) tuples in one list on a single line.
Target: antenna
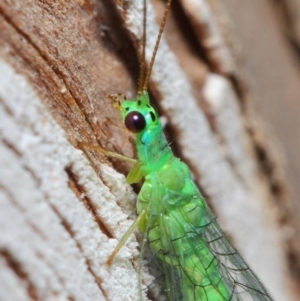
[(143, 63), (144, 81)]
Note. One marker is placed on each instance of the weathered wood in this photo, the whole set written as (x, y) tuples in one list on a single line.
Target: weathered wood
[(61, 211)]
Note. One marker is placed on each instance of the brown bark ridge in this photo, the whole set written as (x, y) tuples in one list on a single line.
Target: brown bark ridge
[(61, 211)]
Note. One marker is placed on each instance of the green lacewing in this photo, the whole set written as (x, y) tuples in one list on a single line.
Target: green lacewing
[(187, 251)]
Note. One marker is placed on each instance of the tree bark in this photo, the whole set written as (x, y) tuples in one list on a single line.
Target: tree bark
[(63, 210)]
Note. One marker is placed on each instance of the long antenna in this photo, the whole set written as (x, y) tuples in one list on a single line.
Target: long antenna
[(143, 63), (161, 29)]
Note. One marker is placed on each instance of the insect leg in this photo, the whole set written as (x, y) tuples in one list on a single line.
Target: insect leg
[(83, 146), (138, 223)]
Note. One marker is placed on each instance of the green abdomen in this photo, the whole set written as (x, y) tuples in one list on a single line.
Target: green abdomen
[(178, 233)]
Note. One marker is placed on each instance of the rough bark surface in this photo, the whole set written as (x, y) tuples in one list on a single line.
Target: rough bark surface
[(61, 210)]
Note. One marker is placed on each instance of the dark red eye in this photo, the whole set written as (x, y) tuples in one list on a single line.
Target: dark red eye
[(135, 122)]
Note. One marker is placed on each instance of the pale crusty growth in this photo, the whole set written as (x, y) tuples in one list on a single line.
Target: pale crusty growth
[(51, 243)]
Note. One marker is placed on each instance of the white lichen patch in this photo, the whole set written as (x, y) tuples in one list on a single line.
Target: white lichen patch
[(45, 228)]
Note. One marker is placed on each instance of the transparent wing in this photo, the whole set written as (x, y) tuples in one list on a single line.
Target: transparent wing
[(196, 262), (243, 284)]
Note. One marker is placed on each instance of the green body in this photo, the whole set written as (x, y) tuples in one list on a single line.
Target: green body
[(195, 257)]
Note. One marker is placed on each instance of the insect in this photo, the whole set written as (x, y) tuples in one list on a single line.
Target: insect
[(192, 257)]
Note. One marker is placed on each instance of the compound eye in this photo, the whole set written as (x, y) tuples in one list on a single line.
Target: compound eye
[(135, 122)]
